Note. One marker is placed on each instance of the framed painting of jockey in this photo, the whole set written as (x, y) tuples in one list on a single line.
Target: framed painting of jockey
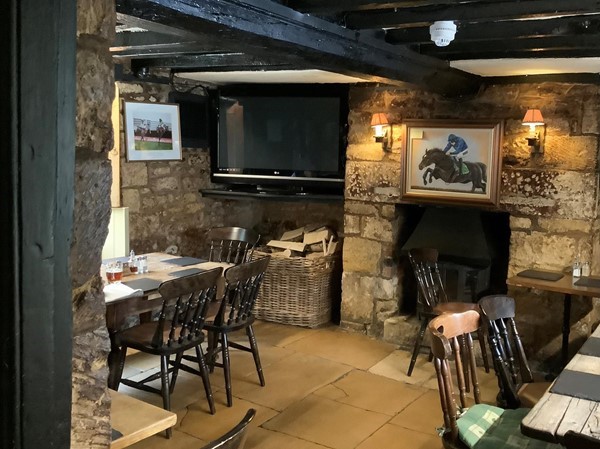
[(446, 161), (152, 131)]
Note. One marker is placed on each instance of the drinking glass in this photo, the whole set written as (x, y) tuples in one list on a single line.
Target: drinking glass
[(114, 272)]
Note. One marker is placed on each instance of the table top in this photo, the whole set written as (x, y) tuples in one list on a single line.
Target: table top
[(555, 414), (136, 419), (158, 270), (563, 285)]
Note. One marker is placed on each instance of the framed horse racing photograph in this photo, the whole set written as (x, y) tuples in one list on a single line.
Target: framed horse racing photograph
[(152, 131), (454, 162)]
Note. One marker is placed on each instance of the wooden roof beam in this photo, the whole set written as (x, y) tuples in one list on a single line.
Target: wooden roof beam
[(513, 29), (268, 29), (469, 12)]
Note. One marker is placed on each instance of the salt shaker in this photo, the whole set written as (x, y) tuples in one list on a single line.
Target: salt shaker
[(142, 262), (585, 269)]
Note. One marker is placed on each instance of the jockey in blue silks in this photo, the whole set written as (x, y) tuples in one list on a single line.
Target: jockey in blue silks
[(459, 149)]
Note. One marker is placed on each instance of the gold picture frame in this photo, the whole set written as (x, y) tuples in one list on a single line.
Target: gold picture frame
[(451, 162)]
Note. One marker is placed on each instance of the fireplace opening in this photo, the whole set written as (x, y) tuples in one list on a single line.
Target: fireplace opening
[(473, 250)]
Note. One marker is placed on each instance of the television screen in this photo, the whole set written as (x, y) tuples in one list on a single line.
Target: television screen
[(286, 139)]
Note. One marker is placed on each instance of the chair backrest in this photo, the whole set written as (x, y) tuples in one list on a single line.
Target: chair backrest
[(451, 339), (427, 273), (188, 298), (236, 437), (243, 283), (509, 357), (232, 244)]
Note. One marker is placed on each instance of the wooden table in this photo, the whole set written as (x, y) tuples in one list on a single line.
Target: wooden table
[(136, 419), (555, 414), (117, 311), (567, 288)]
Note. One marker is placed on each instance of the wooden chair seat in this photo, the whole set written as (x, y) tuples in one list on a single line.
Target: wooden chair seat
[(454, 307), (141, 338)]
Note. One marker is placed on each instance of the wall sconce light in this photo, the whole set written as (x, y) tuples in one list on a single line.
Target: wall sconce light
[(382, 130), (533, 118)]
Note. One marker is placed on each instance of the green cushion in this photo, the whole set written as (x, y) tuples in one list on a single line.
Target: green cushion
[(506, 433), (476, 421)]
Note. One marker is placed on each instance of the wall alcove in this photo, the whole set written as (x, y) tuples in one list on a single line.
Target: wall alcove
[(473, 246)]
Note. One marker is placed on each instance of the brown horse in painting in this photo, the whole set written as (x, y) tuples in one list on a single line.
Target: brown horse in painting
[(446, 169)]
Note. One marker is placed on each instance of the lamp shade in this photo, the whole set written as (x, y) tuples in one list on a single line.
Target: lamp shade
[(379, 119), (533, 117)]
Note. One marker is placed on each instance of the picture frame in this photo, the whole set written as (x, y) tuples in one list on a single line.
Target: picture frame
[(152, 131), (451, 162)]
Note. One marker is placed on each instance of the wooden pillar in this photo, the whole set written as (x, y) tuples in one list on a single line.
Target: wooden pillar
[(37, 131)]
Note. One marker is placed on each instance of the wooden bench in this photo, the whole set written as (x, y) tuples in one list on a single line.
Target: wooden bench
[(136, 419)]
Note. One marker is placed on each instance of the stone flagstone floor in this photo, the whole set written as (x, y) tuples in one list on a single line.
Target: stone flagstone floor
[(325, 388)]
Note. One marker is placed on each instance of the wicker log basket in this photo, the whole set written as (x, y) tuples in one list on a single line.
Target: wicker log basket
[(298, 290)]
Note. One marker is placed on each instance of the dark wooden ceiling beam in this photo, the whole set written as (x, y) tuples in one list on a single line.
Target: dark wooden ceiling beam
[(163, 50), (268, 29), (512, 29), (469, 12), (212, 62), (332, 7), (536, 46), (137, 22)]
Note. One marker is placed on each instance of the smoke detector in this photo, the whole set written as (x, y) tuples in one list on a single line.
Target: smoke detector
[(442, 32)]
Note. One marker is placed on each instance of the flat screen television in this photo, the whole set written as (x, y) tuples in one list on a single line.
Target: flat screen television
[(287, 137)]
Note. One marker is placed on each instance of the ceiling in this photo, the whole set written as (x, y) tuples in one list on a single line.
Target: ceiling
[(225, 41)]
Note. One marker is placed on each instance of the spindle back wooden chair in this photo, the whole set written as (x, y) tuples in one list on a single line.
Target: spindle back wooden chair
[(491, 427), (179, 327), (515, 378), (235, 312), (232, 244), (432, 299)]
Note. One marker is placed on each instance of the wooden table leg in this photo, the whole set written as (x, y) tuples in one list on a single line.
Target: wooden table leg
[(566, 330)]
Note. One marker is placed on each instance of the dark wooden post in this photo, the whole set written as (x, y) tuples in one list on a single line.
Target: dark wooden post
[(37, 134)]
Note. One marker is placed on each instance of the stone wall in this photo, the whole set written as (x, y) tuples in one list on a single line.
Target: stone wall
[(551, 198), (90, 424), (166, 206)]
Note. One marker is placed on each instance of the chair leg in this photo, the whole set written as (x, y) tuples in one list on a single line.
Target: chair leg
[(254, 347), (484, 356), (175, 371), (120, 365), (465, 362), (417, 347), (211, 350), (226, 368), (205, 379), (164, 382)]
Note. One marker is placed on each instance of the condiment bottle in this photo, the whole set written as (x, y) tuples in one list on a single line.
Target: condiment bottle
[(577, 268)]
